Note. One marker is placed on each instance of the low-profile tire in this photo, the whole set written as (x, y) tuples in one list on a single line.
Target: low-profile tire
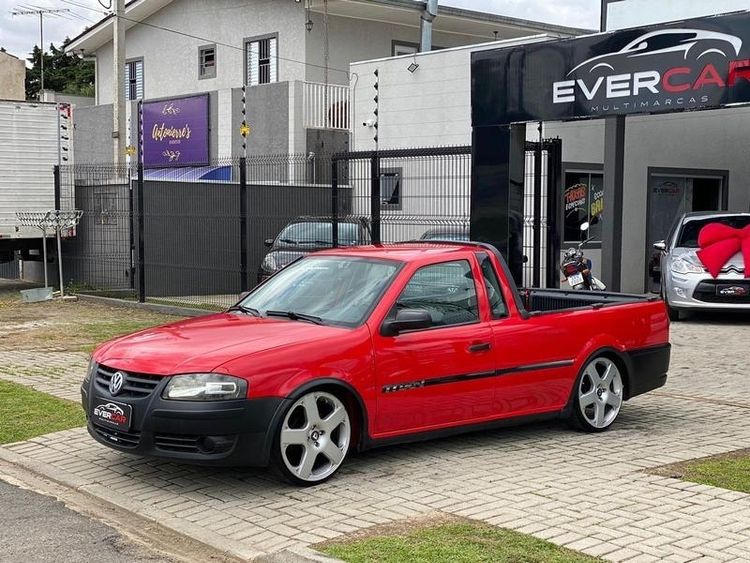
[(312, 439), (598, 395)]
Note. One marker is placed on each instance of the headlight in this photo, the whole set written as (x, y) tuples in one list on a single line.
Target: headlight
[(205, 387), (681, 266), (269, 263), (90, 371)]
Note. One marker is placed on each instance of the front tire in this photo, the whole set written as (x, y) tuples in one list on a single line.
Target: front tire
[(312, 439), (599, 394)]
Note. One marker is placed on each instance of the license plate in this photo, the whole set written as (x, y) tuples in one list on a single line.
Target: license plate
[(733, 290), (112, 414), (575, 280)]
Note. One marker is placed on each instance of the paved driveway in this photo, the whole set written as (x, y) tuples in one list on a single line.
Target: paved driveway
[(587, 492)]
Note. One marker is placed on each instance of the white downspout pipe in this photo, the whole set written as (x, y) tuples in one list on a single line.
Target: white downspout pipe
[(428, 16)]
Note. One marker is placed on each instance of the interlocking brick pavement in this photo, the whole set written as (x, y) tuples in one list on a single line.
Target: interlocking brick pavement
[(587, 492)]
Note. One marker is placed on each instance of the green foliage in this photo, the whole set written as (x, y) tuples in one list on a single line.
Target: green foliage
[(69, 74), (459, 542), (27, 413)]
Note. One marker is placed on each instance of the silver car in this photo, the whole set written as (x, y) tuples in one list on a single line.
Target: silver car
[(685, 284)]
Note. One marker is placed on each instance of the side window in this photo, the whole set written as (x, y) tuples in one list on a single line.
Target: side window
[(446, 291), (494, 292)]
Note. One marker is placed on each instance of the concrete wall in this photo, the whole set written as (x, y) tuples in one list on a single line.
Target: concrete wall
[(12, 77), (92, 141), (429, 107), (75, 101), (170, 61)]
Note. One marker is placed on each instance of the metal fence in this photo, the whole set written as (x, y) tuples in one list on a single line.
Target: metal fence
[(199, 236)]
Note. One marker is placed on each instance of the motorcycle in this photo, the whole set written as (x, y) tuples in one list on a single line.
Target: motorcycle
[(576, 268)]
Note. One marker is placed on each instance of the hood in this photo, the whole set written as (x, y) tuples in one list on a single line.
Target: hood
[(204, 343)]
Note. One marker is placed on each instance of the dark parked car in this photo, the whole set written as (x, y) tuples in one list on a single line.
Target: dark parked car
[(453, 233), (308, 234)]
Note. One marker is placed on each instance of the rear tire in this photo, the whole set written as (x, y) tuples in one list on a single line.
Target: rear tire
[(598, 395)]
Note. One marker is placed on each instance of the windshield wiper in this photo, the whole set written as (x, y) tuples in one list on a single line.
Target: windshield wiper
[(243, 309), (296, 316)]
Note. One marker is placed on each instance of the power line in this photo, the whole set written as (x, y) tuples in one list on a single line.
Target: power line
[(36, 11)]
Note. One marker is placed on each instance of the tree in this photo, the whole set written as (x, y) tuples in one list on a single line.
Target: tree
[(69, 74)]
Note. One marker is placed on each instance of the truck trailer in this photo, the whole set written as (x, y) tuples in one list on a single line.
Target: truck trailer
[(34, 138)]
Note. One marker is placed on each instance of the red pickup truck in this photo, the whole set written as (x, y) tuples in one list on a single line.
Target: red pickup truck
[(348, 349)]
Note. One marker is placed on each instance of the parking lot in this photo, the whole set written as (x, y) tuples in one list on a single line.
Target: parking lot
[(593, 493)]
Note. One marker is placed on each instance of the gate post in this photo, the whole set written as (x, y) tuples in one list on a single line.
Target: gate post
[(375, 196), (334, 203), (537, 226), (243, 225), (141, 245), (56, 174), (554, 209)]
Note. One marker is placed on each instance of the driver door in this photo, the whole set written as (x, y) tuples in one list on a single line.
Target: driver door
[(442, 375)]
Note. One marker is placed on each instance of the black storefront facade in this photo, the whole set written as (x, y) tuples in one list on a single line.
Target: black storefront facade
[(681, 67)]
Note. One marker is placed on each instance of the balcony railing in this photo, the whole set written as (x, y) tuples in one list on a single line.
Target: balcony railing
[(327, 106)]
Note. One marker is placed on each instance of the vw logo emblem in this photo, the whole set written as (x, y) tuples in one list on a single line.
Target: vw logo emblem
[(116, 383)]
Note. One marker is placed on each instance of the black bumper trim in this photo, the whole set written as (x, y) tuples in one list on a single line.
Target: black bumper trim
[(243, 428), (648, 369)]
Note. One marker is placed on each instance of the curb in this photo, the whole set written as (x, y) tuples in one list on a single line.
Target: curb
[(218, 543), (156, 308)]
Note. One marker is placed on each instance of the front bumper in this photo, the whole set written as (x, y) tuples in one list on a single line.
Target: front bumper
[(227, 433), (699, 291)]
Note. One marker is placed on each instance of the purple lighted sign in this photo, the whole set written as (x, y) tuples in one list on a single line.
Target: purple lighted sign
[(175, 132)]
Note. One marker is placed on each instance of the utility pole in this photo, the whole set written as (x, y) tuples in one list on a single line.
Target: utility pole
[(118, 108), (39, 12)]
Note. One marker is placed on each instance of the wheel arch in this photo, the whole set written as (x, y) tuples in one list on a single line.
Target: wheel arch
[(343, 390), (621, 359)]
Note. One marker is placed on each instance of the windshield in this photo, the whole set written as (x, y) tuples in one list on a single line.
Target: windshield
[(689, 233), (319, 233), (340, 290)]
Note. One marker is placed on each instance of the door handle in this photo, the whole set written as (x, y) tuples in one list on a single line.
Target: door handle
[(480, 347)]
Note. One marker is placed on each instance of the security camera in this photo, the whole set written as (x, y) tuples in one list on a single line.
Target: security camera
[(369, 123)]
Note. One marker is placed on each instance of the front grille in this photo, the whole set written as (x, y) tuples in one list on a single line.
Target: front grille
[(176, 443), (706, 291), (136, 384), (122, 439)]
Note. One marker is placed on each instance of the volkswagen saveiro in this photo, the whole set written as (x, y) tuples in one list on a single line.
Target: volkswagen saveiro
[(349, 349)]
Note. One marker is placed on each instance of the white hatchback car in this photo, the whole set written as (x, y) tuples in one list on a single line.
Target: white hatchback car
[(686, 284)]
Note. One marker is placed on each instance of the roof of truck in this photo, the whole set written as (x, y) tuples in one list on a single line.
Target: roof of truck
[(404, 252)]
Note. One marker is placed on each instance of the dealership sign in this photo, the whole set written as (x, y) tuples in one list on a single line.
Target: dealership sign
[(694, 64), (175, 132)]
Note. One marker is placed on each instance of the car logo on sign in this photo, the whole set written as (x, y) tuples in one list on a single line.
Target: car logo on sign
[(734, 291), (116, 383)]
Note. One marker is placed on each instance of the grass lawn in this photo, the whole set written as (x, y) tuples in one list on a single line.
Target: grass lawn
[(457, 542), (27, 413), (730, 471)]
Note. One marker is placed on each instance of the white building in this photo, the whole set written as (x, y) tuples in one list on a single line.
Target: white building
[(282, 49)]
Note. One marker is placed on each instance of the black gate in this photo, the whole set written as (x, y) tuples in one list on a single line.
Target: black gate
[(405, 194), (542, 213)]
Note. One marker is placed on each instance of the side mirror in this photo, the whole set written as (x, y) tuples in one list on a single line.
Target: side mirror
[(660, 245), (243, 295), (268, 242), (406, 319)]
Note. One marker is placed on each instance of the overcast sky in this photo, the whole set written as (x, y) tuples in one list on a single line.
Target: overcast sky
[(18, 34)]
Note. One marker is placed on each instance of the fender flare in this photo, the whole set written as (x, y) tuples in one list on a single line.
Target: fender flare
[(364, 438)]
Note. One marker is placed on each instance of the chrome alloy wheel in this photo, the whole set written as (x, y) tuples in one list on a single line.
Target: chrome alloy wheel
[(315, 436), (600, 393)]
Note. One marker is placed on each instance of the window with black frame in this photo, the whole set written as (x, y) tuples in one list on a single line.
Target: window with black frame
[(583, 199)]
